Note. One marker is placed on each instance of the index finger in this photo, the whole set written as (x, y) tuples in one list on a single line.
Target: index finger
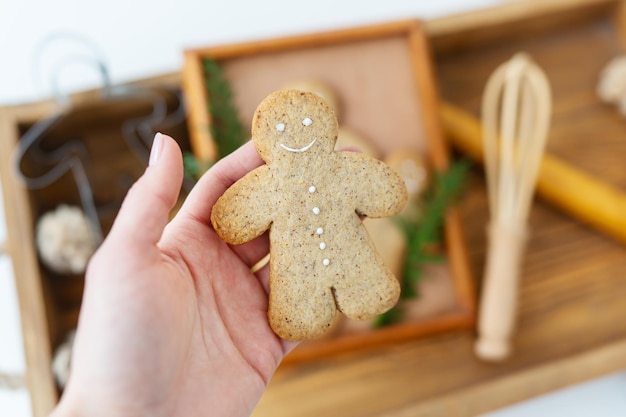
[(216, 180)]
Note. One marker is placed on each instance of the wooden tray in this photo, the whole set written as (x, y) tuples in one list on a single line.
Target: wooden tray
[(382, 76), (49, 302), (572, 297)]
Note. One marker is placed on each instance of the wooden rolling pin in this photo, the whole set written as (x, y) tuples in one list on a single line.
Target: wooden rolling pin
[(566, 187)]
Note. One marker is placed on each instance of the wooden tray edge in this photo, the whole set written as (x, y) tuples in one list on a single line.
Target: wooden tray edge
[(23, 254)]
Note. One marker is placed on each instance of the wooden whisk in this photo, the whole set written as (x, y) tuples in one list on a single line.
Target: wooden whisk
[(516, 112)]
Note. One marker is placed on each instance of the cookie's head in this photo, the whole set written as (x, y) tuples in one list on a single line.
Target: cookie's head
[(293, 123)]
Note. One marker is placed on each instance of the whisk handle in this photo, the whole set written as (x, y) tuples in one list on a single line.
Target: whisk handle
[(498, 306)]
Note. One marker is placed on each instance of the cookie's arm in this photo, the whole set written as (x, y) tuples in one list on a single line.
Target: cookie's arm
[(243, 211), (383, 192)]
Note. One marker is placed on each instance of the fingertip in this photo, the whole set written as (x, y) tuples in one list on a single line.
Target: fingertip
[(164, 145), (351, 148), (222, 175), (145, 210), (157, 147)]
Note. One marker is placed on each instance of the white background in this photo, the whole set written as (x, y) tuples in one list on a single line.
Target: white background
[(142, 38)]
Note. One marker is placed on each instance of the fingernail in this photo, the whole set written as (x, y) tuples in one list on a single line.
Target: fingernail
[(155, 152)]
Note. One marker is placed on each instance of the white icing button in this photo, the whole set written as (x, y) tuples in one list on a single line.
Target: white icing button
[(322, 246), (316, 210), (312, 189), (319, 231), (307, 122), (280, 127), (326, 261)]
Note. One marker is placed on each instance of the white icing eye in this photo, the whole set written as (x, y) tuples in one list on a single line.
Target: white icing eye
[(280, 127), (307, 122)]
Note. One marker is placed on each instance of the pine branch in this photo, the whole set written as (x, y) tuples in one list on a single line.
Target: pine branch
[(226, 129), (194, 168), (424, 235)]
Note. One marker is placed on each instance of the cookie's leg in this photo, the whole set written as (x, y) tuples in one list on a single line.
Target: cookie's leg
[(367, 291), (300, 310)]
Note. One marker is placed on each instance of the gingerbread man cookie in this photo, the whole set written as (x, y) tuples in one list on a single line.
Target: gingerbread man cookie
[(310, 197)]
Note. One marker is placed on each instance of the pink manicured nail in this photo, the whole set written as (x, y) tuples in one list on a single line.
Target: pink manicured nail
[(155, 152)]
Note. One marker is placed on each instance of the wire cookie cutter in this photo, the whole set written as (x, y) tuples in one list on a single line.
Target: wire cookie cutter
[(72, 156)]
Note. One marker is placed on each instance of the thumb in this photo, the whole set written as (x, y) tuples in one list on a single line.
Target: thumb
[(145, 210)]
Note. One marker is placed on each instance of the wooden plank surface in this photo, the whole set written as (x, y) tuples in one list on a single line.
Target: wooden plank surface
[(33, 319), (571, 303), (571, 299)]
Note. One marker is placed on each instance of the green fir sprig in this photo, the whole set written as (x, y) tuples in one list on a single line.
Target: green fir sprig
[(226, 130), (194, 167), (424, 235)]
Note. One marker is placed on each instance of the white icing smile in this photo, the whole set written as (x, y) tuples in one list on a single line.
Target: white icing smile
[(303, 149)]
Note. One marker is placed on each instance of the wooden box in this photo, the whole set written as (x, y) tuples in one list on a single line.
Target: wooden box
[(383, 78), (49, 302)]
